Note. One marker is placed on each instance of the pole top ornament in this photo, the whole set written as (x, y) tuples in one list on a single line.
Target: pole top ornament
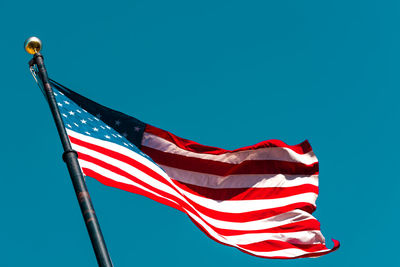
[(33, 45)]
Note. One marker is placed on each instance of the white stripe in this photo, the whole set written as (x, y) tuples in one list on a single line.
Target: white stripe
[(239, 180), (301, 237), (267, 153), (263, 224), (289, 253), (240, 206)]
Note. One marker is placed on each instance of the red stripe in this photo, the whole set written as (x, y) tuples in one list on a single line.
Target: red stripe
[(254, 215), (305, 225), (189, 145), (246, 193), (225, 169), (336, 245)]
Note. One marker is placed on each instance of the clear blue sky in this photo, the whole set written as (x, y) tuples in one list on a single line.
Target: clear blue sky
[(223, 73)]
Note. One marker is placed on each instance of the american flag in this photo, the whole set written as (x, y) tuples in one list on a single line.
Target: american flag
[(258, 199)]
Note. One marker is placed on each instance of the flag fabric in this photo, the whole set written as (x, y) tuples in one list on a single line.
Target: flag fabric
[(258, 199)]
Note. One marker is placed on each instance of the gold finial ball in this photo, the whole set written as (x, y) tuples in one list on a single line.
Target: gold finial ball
[(33, 45)]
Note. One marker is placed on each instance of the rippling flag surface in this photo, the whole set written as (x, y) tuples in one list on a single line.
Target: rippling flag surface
[(258, 199)]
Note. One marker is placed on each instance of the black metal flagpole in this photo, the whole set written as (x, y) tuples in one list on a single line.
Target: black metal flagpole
[(70, 157)]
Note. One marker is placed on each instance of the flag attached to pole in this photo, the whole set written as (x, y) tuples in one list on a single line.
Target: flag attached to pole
[(258, 199)]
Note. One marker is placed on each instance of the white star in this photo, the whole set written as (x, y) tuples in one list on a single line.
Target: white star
[(137, 129), (69, 125), (96, 118), (106, 136), (95, 129), (83, 121), (71, 112), (102, 127), (59, 104), (66, 102), (76, 124), (87, 133), (108, 127), (55, 94), (117, 122), (65, 115), (119, 135), (114, 135), (125, 144), (78, 111), (61, 93)]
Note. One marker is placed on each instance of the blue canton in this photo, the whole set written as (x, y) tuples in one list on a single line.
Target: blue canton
[(79, 120)]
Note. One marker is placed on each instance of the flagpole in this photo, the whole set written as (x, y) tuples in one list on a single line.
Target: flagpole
[(33, 46)]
